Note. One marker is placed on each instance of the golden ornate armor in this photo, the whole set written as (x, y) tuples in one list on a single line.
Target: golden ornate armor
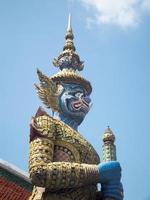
[(61, 161)]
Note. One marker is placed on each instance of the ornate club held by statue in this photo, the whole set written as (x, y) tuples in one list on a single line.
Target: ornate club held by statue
[(109, 148)]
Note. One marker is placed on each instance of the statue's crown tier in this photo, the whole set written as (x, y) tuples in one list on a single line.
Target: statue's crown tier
[(69, 63), (68, 59), (70, 76)]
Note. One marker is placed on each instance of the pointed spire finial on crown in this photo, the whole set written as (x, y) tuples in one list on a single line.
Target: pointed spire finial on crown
[(69, 45), (69, 59), (69, 28)]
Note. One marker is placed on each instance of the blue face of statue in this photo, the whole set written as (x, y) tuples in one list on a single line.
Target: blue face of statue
[(74, 102)]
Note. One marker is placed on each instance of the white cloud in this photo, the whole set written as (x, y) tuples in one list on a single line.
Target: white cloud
[(146, 5), (124, 13)]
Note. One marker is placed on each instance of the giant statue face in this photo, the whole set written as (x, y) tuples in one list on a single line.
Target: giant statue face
[(74, 102)]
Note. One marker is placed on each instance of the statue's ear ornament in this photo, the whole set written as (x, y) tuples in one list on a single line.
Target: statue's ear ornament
[(49, 91)]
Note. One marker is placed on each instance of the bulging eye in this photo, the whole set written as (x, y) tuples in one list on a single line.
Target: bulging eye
[(79, 94)]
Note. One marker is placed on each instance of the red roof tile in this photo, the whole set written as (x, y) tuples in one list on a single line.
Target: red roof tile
[(12, 191)]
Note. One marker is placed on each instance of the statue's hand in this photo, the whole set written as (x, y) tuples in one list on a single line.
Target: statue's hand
[(109, 171), (110, 175), (112, 190)]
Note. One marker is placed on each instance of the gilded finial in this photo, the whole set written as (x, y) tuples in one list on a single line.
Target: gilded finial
[(108, 135), (109, 148), (69, 59), (69, 28), (69, 45)]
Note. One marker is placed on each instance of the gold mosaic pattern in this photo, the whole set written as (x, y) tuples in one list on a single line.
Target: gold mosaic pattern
[(62, 154), (57, 177)]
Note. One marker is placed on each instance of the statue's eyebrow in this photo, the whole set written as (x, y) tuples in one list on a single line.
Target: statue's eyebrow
[(76, 87)]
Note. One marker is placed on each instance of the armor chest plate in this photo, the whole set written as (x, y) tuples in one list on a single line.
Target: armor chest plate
[(72, 147)]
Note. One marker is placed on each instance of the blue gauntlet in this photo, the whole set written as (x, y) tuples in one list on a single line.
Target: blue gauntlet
[(110, 175)]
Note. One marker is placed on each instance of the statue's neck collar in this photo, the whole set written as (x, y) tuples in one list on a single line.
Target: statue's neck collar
[(70, 122)]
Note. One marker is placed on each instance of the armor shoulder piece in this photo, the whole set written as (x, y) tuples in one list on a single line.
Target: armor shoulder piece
[(42, 125)]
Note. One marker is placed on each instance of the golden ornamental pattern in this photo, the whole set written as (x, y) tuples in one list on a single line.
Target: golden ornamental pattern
[(56, 177)]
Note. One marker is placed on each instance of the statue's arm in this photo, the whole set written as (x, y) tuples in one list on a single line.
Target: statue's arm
[(55, 175), (60, 175)]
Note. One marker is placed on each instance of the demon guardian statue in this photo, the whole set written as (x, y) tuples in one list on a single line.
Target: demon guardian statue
[(63, 165)]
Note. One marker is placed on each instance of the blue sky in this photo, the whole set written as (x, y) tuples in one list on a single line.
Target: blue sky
[(112, 37)]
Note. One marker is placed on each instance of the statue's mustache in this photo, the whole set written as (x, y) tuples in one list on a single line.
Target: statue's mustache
[(81, 104)]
